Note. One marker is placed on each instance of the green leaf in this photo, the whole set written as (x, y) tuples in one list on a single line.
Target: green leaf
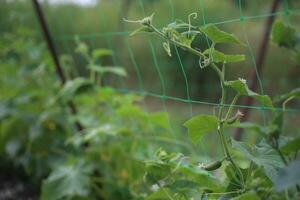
[(203, 178), (97, 53), (264, 156), (264, 131), (247, 196), (184, 185), (187, 39), (234, 183), (160, 119), (93, 135), (74, 87), (108, 69), (67, 181), (220, 57), (241, 87), (161, 194), (156, 170), (288, 177), (295, 93), (142, 29), (218, 36), (283, 35), (200, 125), (252, 126), (291, 146)]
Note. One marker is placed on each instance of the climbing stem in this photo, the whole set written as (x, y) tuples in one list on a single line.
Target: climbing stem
[(221, 75), (220, 128), (236, 97)]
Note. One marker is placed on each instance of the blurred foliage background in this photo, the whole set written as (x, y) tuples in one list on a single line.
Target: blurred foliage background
[(100, 25)]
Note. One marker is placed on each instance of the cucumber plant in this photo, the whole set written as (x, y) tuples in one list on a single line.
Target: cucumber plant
[(175, 176)]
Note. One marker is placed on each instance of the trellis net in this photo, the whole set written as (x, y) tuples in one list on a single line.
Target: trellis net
[(176, 84)]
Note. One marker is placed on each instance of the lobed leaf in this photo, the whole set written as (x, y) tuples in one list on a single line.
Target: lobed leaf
[(263, 155), (220, 57), (241, 88), (67, 181), (200, 125), (288, 176), (219, 36)]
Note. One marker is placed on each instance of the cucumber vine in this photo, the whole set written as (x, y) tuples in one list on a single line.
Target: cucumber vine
[(182, 35)]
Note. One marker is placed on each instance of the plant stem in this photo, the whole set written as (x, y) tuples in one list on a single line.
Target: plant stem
[(221, 75), (231, 106), (220, 128)]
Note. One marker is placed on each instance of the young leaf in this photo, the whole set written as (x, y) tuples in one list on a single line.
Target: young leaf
[(283, 35), (97, 53), (263, 156), (186, 39), (178, 24), (220, 57), (200, 125), (218, 36), (67, 181), (142, 29), (107, 69), (241, 88), (288, 176)]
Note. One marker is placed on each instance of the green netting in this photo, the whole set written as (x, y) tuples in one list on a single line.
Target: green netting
[(64, 41)]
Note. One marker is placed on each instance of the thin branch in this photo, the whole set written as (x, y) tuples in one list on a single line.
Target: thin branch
[(58, 68)]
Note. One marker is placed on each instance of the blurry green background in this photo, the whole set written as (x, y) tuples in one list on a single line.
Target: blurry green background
[(100, 24)]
